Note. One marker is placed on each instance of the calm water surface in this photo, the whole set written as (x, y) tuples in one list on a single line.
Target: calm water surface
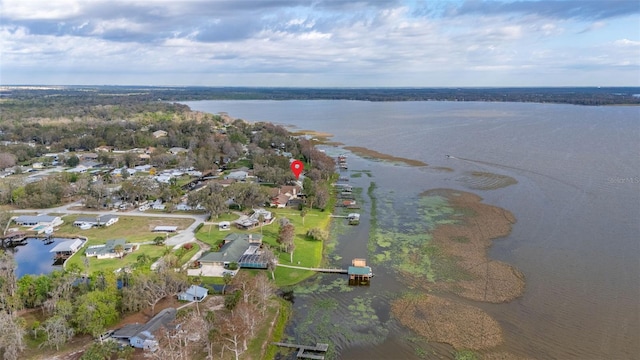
[(34, 258), (577, 204)]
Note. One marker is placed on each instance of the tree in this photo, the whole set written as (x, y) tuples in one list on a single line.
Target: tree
[(57, 331), (8, 283), (7, 160), (265, 290), (119, 249), (227, 279), (322, 197), (318, 234), (95, 311), (196, 281), (303, 214), (72, 161), (159, 240), (286, 238), (271, 260), (11, 336), (261, 221)]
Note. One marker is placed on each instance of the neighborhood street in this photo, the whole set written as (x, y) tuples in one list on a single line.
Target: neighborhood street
[(181, 237)]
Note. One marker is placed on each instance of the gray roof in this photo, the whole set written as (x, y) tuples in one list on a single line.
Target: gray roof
[(98, 219), (163, 318), (231, 251), (67, 246), (196, 290), (34, 219)]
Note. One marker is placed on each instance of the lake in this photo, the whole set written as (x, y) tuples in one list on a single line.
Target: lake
[(34, 257), (574, 190)]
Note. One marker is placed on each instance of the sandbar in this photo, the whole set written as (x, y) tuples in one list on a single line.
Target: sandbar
[(368, 153)]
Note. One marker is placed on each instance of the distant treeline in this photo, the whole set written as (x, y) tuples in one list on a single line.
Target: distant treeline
[(126, 95)]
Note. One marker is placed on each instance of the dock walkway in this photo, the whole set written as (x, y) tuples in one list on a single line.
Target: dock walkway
[(323, 270), (319, 347)]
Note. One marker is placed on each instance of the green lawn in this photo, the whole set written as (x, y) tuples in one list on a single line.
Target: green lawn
[(307, 252), (154, 252), (133, 229)]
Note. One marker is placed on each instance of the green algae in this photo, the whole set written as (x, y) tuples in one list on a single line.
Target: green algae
[(326, 320), (402, 238), (315, 285)]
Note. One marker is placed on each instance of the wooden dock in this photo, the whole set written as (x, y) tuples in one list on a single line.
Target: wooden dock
[(302, 349), (323, 270)]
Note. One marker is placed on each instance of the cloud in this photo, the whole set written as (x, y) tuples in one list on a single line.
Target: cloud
[(313, 43), (568, 9)]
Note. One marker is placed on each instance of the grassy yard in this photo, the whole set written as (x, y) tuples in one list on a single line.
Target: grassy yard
[(154, 252), (308, 253), (131, 228)]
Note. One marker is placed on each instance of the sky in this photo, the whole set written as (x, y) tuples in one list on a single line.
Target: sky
[(321, 43)]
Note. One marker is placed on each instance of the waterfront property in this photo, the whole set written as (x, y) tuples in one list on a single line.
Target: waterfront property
[(38, 220), (359, 272), (143, 336), (64, 250), (242, 249), (109, 249), (252, 221), (193, 293)]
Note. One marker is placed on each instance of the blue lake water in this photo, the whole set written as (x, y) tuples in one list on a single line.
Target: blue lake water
[(576, 201), (34, 257)]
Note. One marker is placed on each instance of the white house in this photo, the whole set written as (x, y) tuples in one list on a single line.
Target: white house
[(45, 220), (237, 175), (102, 220)]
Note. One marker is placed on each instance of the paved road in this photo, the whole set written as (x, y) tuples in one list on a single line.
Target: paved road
[(183, 236)]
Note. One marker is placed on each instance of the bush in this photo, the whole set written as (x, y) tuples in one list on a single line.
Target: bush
[(233, 266), (187, 246), (318, 234)]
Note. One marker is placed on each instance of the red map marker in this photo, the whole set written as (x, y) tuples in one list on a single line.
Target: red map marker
[(297, 166)]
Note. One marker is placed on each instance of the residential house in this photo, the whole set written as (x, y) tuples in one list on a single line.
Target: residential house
[(158, 205), (284, 195), (38, 220), (193, 293), (99, 221), (239, 175), (104, 148), (143, 336), (243, 249), (249, 222), (107, 251), (159, 133), (177, 150), (89, 157)]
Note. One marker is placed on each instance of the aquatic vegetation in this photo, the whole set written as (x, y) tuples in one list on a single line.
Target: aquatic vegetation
[(405, 241), (325, 320), (451, 322), (316, 285)]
